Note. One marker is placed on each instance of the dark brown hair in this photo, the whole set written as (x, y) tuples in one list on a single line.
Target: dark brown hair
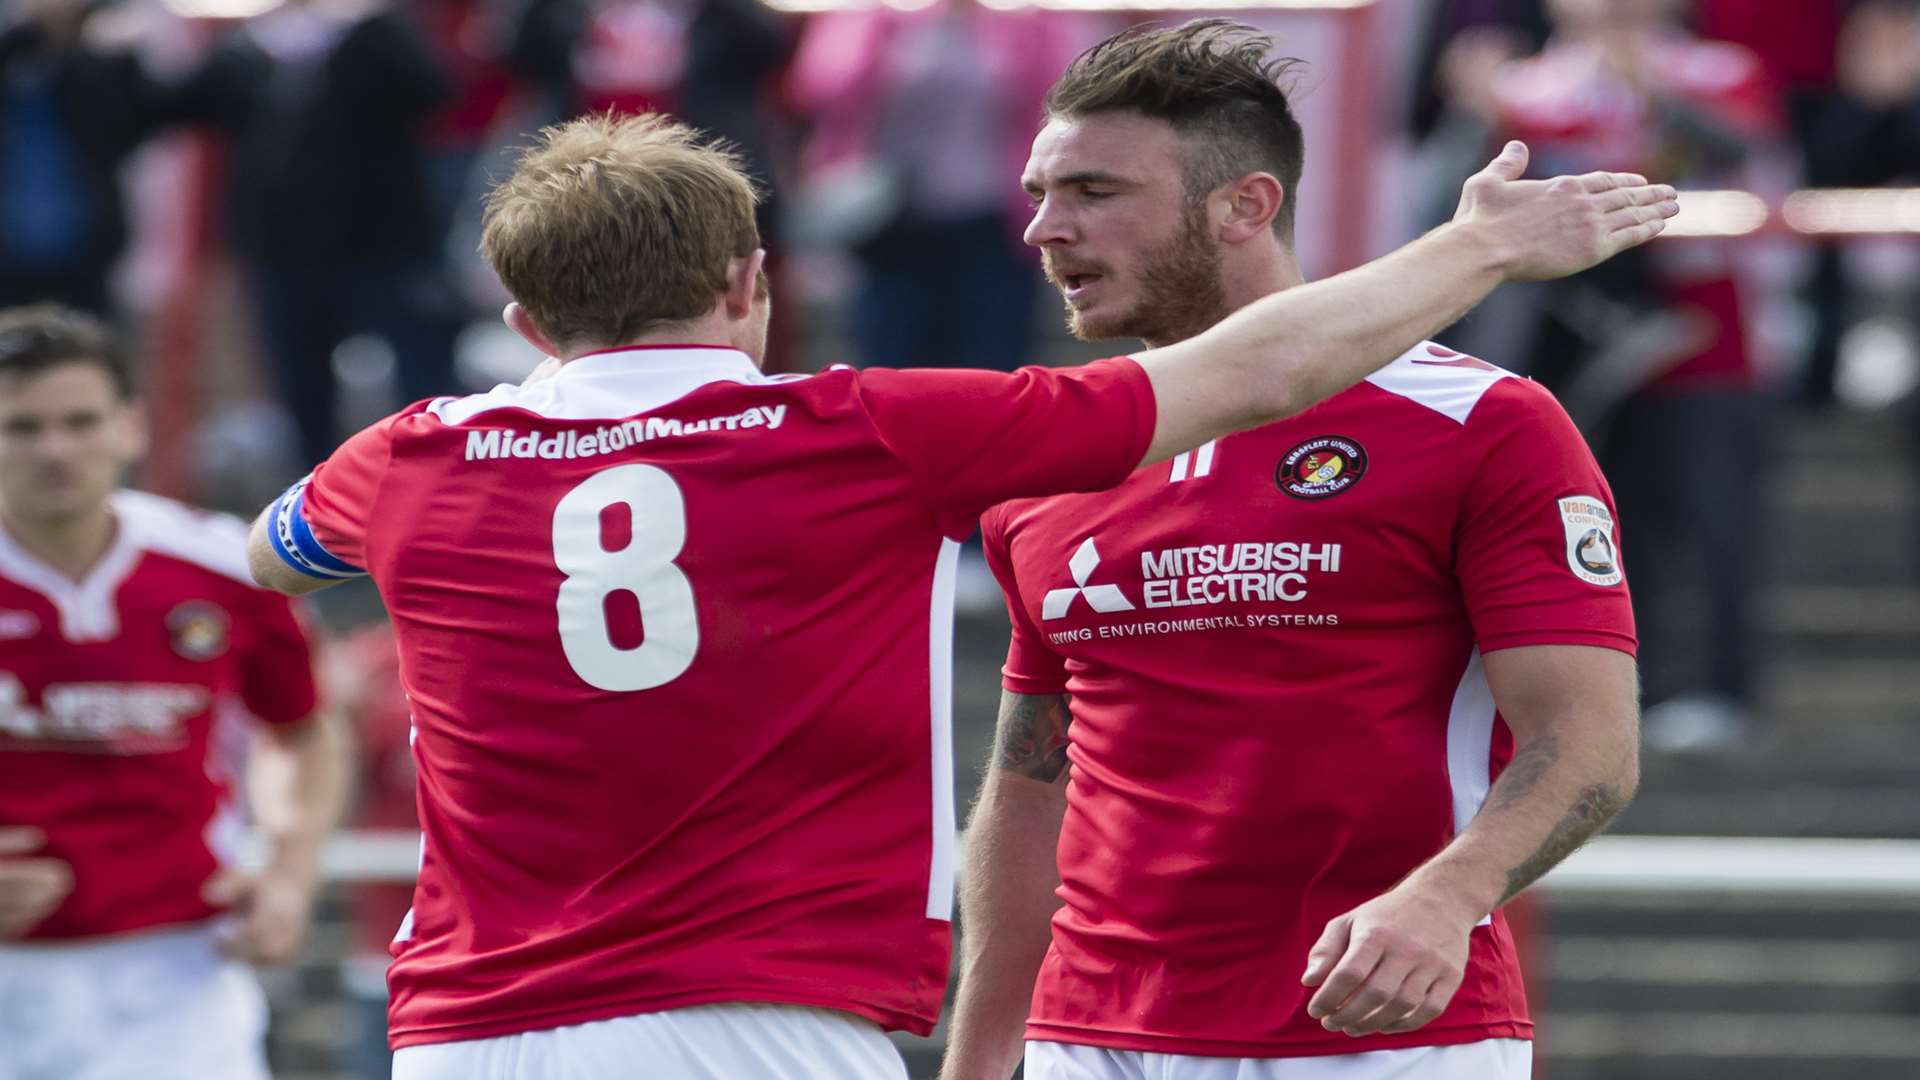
[(1214, 81), (42, 336), (611, 226)]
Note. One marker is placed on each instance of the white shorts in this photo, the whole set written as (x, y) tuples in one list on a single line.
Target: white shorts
[(744, 1041), (157, 1005), (1490, 1059)]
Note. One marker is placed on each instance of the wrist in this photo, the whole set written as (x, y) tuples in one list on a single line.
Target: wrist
[(296, 859), (1456, 890), (1476, 249)]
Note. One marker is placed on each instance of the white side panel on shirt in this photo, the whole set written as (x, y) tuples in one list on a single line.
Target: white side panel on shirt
[(1470, 746), (940, 667)]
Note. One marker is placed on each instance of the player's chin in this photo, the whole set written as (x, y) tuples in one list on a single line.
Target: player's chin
[(1094, 324), (60, 499)]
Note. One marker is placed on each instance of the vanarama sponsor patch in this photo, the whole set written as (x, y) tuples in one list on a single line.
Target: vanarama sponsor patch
[(1593, 552)]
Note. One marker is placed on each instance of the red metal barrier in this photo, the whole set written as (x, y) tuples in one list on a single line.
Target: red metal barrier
[(177, 334)]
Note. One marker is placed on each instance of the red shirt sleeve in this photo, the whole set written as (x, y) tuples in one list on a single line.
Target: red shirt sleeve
[(341, 491), (1537, 546), (1032, 667), (977, 438), (276, 668)]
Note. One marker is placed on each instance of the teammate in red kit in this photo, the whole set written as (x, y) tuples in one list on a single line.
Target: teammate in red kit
[(676, 633), (1289, 717), (135, 656)]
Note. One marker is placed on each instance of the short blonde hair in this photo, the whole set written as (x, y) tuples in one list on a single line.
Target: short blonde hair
[(611, 226)]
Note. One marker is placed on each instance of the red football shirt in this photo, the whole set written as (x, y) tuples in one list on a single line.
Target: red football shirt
[(677, 638), (1273, 648), (123, 706)]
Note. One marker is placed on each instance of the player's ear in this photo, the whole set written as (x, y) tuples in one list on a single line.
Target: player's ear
[(521, 323), (134, 432), (744, 276), (1251, 205)]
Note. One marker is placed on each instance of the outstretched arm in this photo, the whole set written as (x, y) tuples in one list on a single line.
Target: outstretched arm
[(1007, 896), (1284, 352)]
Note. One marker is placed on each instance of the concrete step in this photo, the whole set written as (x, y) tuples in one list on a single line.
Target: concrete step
[(1675, 974), (1816, 740), (1825, 539), (1808, 963), (1713, 1045), (1843, 434), (1809, 810), (1811, 483), (1857, 618), (1830, 686), (1732, 917)]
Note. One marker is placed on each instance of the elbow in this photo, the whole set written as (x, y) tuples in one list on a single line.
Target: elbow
[(1279, 389), (1628, 783), (1283, 398), (1616, 793), (262, 575), (260, 560)]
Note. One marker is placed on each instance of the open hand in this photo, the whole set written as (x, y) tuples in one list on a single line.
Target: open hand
[(1542, 229)]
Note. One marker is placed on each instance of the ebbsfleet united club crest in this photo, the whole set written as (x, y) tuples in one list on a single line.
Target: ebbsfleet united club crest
[(1592, 549), (199, 629), (1321, 468)]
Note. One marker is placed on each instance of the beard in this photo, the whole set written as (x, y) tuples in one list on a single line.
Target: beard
[(1180, 291)]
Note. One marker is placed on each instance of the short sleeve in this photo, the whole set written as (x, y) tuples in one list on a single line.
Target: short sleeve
[(276, 668), (319, 525), (977, 438), (1032, 667), (1537, 546)]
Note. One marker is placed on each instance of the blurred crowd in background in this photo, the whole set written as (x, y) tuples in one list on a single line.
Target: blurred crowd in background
[(308, 179)]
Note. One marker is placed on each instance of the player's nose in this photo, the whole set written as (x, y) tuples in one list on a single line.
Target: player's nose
[(1049, 226)]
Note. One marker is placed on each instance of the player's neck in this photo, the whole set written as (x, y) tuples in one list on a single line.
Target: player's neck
[(710, 332), (69, 545), (1242, 285)]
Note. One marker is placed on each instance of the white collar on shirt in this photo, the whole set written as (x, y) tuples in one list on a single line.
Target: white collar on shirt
[(614, 384)]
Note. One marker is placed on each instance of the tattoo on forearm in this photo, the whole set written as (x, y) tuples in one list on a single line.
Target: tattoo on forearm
[(1593, 807), (1523, 773), (1031, 735)]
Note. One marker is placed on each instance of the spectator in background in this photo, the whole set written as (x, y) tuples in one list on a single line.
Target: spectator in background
[(594, 56), (714, 63), (1863, 133), (328, 102), (938, 104), (1519, 25), (468, 41), (737, 51), (1663, 376), (1867, 133), (1797, 44), (1455, 117), (72, 109)]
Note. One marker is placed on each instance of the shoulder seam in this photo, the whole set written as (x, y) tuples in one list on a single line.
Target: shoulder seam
[(229, 560)]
